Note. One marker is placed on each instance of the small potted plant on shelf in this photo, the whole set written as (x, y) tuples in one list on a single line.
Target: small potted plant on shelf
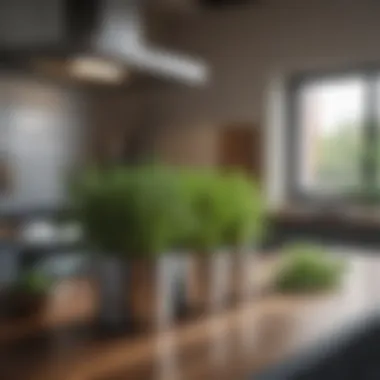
[(132, 217), (27, 296)]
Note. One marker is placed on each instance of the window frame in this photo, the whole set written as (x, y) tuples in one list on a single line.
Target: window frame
[(369, 166)]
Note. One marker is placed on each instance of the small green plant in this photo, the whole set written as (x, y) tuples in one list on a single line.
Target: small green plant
[(246, 221), (147, 209), (32, 282), (207, 196), (307, 268), (132, 211)]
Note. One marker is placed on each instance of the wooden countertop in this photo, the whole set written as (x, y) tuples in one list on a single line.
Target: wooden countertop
[(229, 345)]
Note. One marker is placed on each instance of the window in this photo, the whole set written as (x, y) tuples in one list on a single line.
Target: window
[(39, 143), (334, 139)]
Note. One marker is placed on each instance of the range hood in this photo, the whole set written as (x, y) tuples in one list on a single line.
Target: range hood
[(121, 35), (108, 29)]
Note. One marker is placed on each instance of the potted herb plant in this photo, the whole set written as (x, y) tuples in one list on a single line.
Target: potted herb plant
[(132, 217), (243, 231), (208, 202), (27, 296)]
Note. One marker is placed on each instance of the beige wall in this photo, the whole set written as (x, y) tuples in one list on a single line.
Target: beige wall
[(114, 115), (253, 51), (189, 146), (246, 48)]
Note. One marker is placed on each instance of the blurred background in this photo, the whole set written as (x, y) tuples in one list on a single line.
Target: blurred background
[(164, 137)]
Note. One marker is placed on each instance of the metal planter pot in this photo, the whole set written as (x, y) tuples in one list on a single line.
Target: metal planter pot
[(210, 281), (241, 275), (141, 293), (112, 281)]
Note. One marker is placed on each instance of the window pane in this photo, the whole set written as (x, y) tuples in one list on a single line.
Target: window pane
[(331, 132), (39, 144), (377, 146)]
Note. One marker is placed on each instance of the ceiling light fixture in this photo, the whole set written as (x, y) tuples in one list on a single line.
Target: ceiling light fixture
[(96, 69)]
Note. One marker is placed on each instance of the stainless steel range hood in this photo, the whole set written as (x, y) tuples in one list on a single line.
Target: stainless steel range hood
[(121, 35), (102, 29)]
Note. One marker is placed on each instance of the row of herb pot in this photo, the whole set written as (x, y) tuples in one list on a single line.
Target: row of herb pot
[(132, 215), (153, 294)]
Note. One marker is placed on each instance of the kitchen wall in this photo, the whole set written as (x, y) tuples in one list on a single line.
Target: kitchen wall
[(112, 115), (192, 145), (253, 51)]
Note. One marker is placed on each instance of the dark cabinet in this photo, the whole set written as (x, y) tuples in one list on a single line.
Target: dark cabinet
[(30, 24)]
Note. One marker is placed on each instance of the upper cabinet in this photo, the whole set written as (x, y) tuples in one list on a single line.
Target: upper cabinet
[(30, 24)]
